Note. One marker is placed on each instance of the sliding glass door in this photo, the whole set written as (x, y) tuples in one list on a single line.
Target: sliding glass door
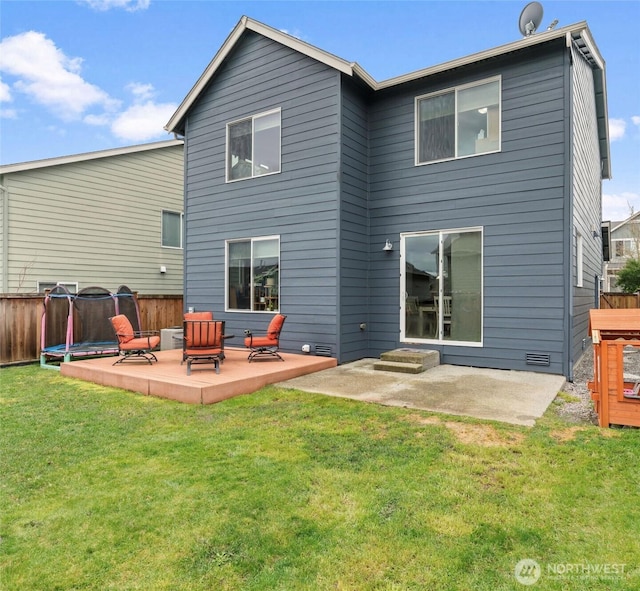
[(442, 286)]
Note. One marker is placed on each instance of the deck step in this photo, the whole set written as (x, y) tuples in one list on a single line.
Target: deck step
[(398, 366), (407, 360)]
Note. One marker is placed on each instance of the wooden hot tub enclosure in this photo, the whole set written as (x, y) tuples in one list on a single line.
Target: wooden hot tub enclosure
[(613, 332)]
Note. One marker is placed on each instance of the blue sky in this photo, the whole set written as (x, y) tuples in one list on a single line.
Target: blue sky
[(86, 75)]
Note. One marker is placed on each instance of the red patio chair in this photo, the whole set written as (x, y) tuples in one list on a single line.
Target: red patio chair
[(266, 345), (134, 345), (203, 342)]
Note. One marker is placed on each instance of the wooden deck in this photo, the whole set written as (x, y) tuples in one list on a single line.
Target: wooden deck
[(168, 379)]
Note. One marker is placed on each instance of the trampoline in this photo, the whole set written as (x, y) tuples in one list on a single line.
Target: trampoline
[(77, 325)]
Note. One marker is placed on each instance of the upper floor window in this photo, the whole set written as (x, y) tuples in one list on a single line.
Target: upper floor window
[(253, 146), (171, 229), (626, 247), (459, 122)]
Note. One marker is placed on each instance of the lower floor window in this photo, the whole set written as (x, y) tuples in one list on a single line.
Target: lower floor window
[(253, 274), (441, 279)]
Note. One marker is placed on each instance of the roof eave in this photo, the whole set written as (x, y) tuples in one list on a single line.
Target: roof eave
[(588, 48), (577, 33), (530, 41), (175, 124), (46, 162)]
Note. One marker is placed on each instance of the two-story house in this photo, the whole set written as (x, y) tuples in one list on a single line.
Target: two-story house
[(452, 208), (102, 218), (624, 242)]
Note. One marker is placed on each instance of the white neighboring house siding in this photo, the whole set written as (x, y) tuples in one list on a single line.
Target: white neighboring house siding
[(94, 219)]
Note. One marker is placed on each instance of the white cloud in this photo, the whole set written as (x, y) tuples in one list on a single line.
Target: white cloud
[(49, 77), (5, 97), (128, 5), (141, 92), (8, 113), (620, 207), (295, 34), (616, 129), (636, 120), (5, 92), (102, 119), (142, 122)]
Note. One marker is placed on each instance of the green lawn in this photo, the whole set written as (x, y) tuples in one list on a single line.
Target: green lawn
[(283, 490)]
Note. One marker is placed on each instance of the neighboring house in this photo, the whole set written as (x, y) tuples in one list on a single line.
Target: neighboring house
[(103, 218), (453, 208), (625, 244)]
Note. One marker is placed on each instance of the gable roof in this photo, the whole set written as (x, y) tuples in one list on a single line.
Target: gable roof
[(33, 164), (617, 225), (577, 34)]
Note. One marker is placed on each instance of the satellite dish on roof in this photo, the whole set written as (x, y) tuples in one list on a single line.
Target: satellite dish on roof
[(530, 18)]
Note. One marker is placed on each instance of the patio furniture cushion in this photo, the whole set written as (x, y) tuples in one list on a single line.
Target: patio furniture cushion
[(123, 328), (198, 315)]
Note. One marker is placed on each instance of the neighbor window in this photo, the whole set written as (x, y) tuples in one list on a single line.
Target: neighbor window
[(625, 247), (459, 122), (70, 286), (441, 281), (172, 229), (253, 146), (253, 274)]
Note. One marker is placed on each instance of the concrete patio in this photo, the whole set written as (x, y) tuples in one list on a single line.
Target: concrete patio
[(514, 397)]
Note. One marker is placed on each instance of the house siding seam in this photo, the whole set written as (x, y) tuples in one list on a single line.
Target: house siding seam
[(299, 203)]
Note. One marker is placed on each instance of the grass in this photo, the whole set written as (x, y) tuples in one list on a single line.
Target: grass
[(283, 490)]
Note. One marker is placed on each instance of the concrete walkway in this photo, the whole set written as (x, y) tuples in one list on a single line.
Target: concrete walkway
[(517, 397)]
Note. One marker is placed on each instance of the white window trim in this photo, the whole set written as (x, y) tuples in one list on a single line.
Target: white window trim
[(403, 288), (251, 239), (579, 260), (226, 149), (181, 214), (65, 284), (455, 90)]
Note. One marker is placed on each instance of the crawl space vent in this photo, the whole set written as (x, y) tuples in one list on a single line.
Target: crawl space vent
[(323, 350), (538, 359)]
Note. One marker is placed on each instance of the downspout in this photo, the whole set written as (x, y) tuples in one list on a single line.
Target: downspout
[(338, 311), (568, 207), (4, 281), (185, 218)]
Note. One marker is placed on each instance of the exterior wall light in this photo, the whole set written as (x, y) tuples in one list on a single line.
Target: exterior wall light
[(388, 245)]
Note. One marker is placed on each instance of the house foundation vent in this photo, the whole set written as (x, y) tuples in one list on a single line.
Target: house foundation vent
[(538, 359), (323, 350)]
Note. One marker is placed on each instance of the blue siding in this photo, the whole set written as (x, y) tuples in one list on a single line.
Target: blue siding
[(299, 204), (587, 200), (517, 196), (354, 225), (349, 182)]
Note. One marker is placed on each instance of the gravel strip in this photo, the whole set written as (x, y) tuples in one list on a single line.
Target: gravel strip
[(582, 411)]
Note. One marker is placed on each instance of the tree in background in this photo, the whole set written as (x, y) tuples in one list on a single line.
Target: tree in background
[(629, 276)]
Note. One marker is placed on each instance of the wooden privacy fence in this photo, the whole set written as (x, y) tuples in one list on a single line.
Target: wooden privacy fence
[(20, 316), (619, 301)]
